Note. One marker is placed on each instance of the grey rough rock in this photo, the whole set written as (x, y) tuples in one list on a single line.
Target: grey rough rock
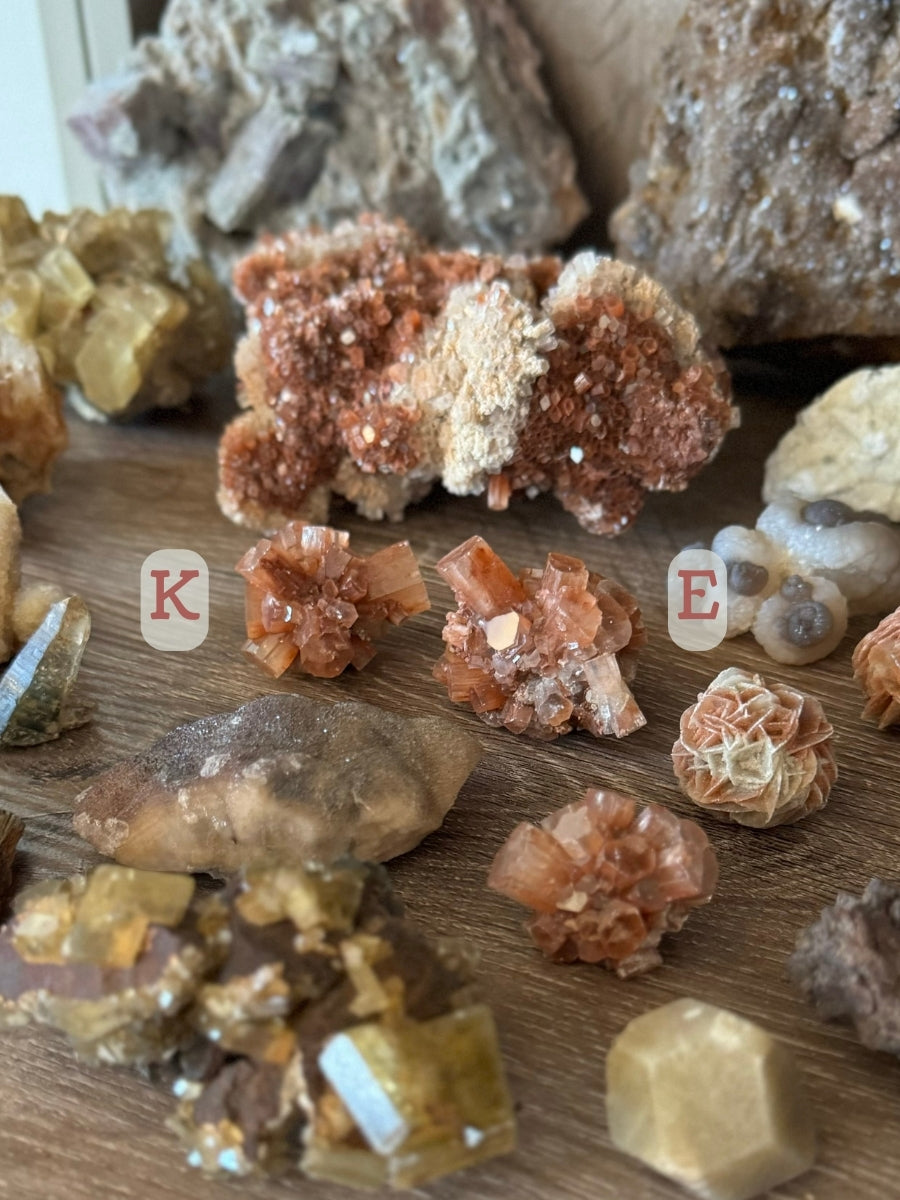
[(766, 201), (281, 779), (848, 964), (245, 116)]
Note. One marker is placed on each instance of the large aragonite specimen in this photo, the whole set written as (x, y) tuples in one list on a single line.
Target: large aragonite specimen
[(760, 754), (312, 602), (760, 199), (305, 1023), (847, 963), (710, 1100), (282, 778), (32, 428), (845, 446), (250, 115), (110, 311), (542, 652), (606, 879), (375, 366)]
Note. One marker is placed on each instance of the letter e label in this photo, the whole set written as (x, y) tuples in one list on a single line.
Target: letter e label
[(698, 600)]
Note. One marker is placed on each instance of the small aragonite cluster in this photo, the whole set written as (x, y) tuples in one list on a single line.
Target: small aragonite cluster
[(760, 754), (606, 879), (541, 652), (312, 602), (306, 1022), (876, 668), (280, 778), (101, 300), (375, 366), (710, 1100), (808, 565)]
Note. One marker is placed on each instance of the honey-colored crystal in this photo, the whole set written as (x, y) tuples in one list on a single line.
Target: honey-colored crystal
[(103, 301), (606, 880), (710, 1100), (312, 602), (540, 653), (32, 429)]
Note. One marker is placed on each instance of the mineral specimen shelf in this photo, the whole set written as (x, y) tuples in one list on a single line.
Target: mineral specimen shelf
[(70, 1132)]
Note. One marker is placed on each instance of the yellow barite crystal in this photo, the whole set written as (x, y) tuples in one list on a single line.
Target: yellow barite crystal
[(708, 1099)]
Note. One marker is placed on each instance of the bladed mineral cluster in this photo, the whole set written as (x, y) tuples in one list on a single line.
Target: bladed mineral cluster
[(375, 366), (302, 1020)]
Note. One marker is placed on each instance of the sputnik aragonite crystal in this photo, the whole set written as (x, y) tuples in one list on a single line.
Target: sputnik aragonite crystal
[(375, 366), (103, 301), (309, 1024), (544, 652), (280, 779), (710, 1100), (761, 754), (311, 601), (606, 879)]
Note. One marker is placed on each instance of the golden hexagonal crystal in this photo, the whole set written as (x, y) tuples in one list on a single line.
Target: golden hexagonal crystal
[(708, 1099)]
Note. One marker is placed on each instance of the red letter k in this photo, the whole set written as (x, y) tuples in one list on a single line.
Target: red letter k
[(164, 593)]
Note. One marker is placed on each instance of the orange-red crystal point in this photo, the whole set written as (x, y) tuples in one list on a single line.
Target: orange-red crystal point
[(313, 602), (606, 879), (544, 652)]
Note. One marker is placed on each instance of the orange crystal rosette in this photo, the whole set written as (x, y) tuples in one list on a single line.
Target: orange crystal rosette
[(757, 753), (876, 668), (606, 879)]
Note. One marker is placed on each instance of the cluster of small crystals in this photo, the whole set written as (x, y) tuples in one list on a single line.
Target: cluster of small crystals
[(301, 1019), (618, 395), (794, 579), (848, 961), (544, 652), (312, 602), (876, 668), (759, 754), (106, 309), (606, 879)]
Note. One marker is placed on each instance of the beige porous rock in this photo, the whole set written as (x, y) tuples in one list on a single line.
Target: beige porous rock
[(710, 1100)]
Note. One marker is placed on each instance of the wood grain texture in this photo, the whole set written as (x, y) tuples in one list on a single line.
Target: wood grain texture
[(72, 1133)]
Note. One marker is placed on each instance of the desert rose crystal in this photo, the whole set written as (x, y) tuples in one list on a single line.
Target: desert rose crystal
[(876, 668), (759, 754), (606, 879), (311, 601), (541, 652), (375, 366)]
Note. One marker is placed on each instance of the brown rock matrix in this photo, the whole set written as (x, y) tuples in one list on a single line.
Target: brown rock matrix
[(313, 602), (876, 668), (544, 652), (250, 115), (606, 879), (11, 829), (848, 964), (374, 367), (305, 1021), (756, 753), (760, 202), (282, 778), (32, 429), (98, 301)]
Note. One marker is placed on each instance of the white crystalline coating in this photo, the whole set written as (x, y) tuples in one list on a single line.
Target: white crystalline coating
[(769, 628), (737, 544), (845, 446), (861, 557)]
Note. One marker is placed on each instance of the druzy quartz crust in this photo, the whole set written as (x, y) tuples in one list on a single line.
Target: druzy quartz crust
[(541, 652), (606, 879)]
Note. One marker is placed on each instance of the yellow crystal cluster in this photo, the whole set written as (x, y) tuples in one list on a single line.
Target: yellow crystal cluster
[(108, 309)]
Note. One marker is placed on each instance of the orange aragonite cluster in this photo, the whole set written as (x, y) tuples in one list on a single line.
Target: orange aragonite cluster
[(312, 601), (374, 366), (541, 652), (759, 753), (876, 668), (606, 879)]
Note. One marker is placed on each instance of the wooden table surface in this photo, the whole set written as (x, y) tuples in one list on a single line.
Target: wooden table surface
[(70, 1132)]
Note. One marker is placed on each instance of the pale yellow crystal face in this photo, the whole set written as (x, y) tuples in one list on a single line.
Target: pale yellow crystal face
[(708, 1099)]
